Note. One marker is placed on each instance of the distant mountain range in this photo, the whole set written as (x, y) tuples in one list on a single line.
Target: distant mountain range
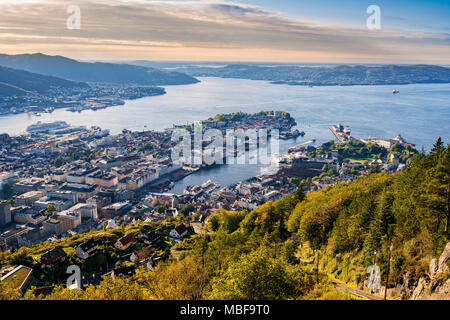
[(17, 82), (100, 72), (327, 76)]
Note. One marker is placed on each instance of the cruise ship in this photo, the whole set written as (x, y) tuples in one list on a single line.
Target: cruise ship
[(40, 127)]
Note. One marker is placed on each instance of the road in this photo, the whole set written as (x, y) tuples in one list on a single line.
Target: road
[(356, 292)]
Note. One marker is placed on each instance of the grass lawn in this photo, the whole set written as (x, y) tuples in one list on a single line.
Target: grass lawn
[(17, 278)]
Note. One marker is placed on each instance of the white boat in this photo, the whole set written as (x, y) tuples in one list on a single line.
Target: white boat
[(45, 127)]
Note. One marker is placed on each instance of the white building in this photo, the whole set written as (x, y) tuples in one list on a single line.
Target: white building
[(178, 232)]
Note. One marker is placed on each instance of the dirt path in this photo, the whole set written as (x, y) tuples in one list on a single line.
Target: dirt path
[(357, 292)]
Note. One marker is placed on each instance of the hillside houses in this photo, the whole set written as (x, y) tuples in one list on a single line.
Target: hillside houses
[(179, 232), (86, 249), (142, 255), (125, 242), (53, 257)]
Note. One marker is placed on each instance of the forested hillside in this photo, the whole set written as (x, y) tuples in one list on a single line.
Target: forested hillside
[(273, 251), (66, 68), (17, 82), (326, 76)]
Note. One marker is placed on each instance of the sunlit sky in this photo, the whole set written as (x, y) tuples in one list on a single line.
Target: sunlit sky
[(214, 30)]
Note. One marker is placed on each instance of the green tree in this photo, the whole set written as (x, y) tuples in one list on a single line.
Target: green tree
[(375, 169), (7, 190), (187, 210), (382, 226), (438, 146), (214, 222), (7, 292), (161, 209), (180, 280), (438, 195), (255, 276), (299, 194), (59, 162), (50, 209), (288, 251), (294, 181)]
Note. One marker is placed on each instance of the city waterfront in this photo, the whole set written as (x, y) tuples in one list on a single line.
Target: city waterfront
[(420, 112)]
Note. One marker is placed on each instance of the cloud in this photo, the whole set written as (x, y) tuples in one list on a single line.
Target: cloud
[(206, 30)]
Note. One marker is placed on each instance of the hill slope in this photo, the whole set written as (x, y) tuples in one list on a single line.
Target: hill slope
[(93, 72), (271, 252), (16, 82), (340, 75), (9, 90)]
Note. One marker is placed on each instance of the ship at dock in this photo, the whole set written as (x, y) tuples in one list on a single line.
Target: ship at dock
[(42, 127), (341, 132), (301, 147), (98, 107), (206, 188)]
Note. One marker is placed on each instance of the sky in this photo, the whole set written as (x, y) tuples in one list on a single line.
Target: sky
[(314, 31)]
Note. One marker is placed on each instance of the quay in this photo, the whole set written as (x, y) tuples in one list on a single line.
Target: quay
[(341, 133)]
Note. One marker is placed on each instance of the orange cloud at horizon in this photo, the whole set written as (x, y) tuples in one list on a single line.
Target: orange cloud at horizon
[(101, 52)]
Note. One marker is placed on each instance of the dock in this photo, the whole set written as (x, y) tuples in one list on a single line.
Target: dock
[(340, 135)]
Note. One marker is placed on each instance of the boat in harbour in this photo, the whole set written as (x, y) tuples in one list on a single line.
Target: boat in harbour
[(41, 127), (298, 148)]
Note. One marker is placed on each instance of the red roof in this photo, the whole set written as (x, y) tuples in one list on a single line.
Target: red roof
[(180, 229), (127, 239)]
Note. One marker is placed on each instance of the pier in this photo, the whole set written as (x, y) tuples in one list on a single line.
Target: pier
[(342, 134)]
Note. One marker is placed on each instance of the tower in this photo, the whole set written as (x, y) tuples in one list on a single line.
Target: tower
[(5, 213), (174, 202)]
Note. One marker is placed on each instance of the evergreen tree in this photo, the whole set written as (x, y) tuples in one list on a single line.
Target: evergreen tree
[(382, 226), (442, 184), (438, 146), (299, 194), (7, 190)]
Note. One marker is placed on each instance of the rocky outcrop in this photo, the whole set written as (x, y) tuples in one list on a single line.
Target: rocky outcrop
[(437, 284), (420, 290), (443, 264)]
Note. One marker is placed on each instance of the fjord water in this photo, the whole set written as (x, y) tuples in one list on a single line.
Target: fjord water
[(420, 112)]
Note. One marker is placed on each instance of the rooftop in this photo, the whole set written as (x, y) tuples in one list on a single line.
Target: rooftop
[(17, 277)]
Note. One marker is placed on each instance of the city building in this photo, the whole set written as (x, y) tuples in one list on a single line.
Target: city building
[(9, 237), (19, 278), (69, 219), (53, 226), (102, 179), (116, 209), (84, 210), (28, 184), (5, 213), (28, 198), (6, 177)]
